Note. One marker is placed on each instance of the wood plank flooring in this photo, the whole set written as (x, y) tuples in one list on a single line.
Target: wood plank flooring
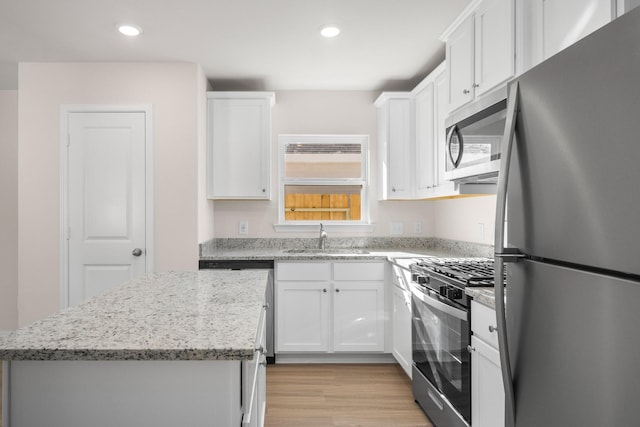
[(341, 395)]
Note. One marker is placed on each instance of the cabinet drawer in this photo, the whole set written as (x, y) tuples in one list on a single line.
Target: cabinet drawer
[(358, 271), (482, 318), (303, 271)]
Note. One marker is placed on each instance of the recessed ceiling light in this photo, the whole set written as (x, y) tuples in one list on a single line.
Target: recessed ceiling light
[(129, 30), (330, 31)]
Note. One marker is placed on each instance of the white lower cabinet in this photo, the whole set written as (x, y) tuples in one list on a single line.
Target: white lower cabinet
[(401, 319), (254, 381), (326, 307), (487, 392)]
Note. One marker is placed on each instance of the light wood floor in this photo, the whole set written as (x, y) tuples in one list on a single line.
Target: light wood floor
[(341, 395)]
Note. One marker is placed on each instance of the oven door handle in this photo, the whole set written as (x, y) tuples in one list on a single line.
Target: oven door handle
[(436, 303)]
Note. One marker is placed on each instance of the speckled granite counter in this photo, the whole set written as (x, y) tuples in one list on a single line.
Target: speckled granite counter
[(338, 248), (205, 315), (484, 296)]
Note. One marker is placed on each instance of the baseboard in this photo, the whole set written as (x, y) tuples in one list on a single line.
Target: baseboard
[(334, 358)]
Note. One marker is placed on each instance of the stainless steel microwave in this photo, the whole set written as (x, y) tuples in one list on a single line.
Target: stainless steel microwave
[(474, 139)]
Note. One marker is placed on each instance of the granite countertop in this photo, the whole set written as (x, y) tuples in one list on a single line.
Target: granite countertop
[(362, 248), (484, 296), (327, 255), (188, 315)]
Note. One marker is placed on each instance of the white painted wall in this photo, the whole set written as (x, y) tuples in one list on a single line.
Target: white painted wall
[(322, 112), (8, 210), (470, 219), (205, 206), (173, 91)]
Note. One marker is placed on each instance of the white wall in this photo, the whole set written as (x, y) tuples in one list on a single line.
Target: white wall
[(205, 206), (8, 210), (322, 112), (172, 90), (469, 219)]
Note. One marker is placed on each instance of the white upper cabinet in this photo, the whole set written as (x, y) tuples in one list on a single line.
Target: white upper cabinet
[(460, 64), (395, 145), (424, 122), (412, 140), (480, 50), (552, 25), (239, 145), (494, 44)]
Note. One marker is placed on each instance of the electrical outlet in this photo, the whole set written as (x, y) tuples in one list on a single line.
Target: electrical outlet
[(243, 227), (417, 228), (397, 228)]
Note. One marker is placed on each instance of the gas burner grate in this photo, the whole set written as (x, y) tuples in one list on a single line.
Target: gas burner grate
[(470, 271)]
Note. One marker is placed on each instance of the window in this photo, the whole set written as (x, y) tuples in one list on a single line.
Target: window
[(323, 178)]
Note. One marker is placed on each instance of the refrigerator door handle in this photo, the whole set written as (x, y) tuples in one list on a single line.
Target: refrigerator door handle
[(503, 254)]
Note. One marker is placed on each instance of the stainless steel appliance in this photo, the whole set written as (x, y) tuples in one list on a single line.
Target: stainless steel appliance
[(233, 264), (474, 137), (441, 334), (569, 181)]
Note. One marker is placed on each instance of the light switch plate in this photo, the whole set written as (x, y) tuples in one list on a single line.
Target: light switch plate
[(243, 227)]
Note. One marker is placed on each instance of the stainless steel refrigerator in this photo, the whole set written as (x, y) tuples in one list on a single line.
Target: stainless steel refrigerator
[(570, 187)]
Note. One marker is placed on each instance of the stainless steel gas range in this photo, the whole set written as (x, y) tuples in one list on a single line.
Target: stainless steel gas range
[(441, 334)]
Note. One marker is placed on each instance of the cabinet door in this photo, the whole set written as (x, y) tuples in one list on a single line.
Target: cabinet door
[(402, 328), (424, 135), (494, 44), (399, 156), (553, 25), (239, 148), (358, 316), (459, 54), (302, 316), (487, 393), (441, 102)]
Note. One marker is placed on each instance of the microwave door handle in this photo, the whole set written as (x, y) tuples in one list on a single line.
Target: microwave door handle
[(455, 131), (503, 255)]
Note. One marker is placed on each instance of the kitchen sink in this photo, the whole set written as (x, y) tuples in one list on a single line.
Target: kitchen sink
[(328, 251)]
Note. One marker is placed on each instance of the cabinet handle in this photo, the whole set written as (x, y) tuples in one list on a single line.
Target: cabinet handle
[(260, 349), (466, 91), (264, 190), (337, 290), (470, 349), (324, 290), (492, 329), (393, 189), (476, 85)]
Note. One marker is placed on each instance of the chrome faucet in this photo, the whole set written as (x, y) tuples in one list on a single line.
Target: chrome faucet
[(323, 237)]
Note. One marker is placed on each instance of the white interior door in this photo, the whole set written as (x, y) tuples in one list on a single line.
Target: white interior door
[(106, 201)]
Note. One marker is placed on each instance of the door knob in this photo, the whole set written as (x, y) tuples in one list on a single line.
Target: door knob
[(136, 252)]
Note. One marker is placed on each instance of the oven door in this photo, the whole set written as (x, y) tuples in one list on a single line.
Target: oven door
[(440, 335)]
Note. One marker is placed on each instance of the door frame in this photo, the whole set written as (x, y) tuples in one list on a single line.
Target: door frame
[(65, 111)]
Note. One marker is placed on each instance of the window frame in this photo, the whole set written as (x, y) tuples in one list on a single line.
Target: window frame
[(304, 225)]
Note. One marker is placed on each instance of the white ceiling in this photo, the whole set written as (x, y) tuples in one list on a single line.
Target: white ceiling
[(241, 44)]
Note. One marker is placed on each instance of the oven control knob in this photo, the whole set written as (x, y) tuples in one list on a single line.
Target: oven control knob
[(454, 293), (423, 280)]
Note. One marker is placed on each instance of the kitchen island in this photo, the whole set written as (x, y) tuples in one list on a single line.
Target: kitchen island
[(173, 348)]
